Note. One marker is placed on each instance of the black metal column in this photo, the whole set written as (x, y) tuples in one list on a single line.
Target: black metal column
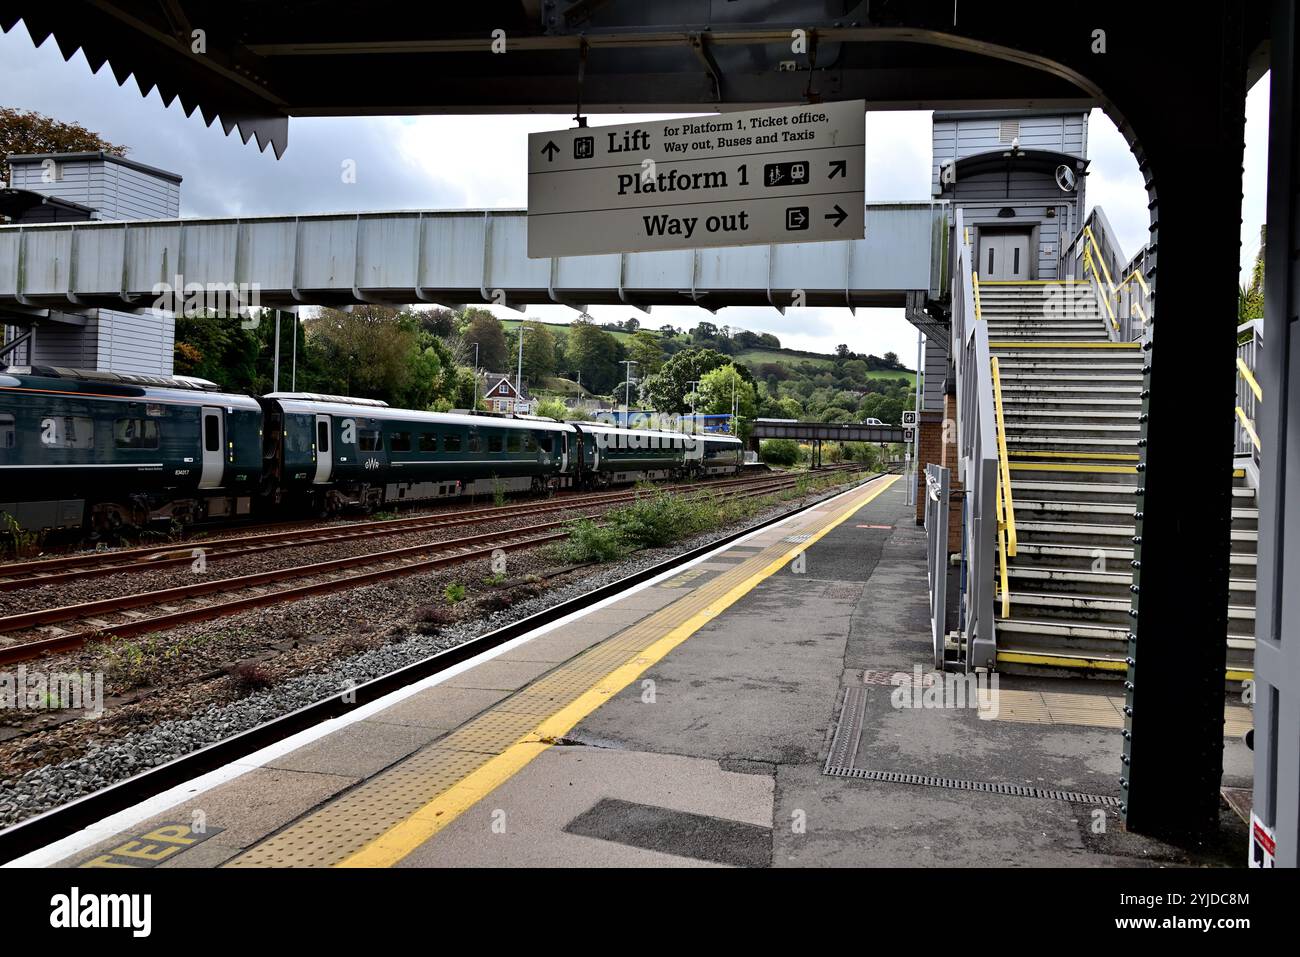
[(1173, 747)]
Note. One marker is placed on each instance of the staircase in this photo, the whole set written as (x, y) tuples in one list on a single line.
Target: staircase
[(1071, 400)]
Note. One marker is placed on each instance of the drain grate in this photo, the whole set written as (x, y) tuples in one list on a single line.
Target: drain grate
[(848, 729), (956, 784), (796, 539)]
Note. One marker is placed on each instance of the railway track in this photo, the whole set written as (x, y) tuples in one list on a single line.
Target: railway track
[(62, 569), (162, 609)]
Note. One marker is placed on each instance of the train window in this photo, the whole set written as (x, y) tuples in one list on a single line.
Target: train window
[(369, 440), (399, 442), (135, 434), (543, 442), (211, 433), (323, 436), (428, 442), (67, 432), (451, 443), (8, 434), (494, 442), (514, 442)]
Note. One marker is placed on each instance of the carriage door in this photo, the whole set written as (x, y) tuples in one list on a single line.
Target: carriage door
[(564, 452), (214, 441), (324, 450)]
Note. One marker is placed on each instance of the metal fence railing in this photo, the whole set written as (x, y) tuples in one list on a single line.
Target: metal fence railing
[(1249, 395), (1119, 284), (936, 535), (977, 458)]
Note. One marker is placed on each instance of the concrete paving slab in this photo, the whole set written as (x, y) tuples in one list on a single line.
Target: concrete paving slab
[(532, 810), (358, 750), (499, 674), (247, 809), (561, 644), (440, 707)]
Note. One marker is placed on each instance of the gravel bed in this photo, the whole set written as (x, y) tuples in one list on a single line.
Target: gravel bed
[(107, 586), (319, 641)]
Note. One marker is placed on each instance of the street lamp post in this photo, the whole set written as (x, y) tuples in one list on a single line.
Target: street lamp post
[(627, 386), (519, 373), (474, 407)]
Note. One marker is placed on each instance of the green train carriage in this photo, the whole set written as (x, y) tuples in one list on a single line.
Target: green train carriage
[(109, 450)]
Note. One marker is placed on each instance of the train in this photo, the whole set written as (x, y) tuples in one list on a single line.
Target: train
[(106, 452)]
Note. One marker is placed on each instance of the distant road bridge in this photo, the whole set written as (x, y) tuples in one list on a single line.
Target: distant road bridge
[(825, 432)]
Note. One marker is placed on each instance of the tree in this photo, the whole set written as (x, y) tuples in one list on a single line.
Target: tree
[(595, 354), (439, 322), (668, 391), (23, 131), (368, 352), (486, 329), (539, 350), (716, 392), (646, 350)]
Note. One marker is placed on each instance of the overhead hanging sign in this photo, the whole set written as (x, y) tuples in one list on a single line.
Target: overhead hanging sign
[(789, 175)]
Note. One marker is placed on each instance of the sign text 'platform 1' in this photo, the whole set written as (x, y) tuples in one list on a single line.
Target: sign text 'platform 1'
[(789, 175)]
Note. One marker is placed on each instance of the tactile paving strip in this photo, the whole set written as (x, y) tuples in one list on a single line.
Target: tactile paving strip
[(344, 826)]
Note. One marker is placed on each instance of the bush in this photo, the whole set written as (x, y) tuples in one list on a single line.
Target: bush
[(779, 451), (864, 452), (663, 518), (553, 409), (589, 542), (454, 593)]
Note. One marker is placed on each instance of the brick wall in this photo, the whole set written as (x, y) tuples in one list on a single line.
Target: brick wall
[(929, 451), (949, 461)]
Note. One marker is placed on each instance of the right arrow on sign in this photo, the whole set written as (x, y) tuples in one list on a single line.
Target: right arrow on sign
[(838, 216), (839, 168)]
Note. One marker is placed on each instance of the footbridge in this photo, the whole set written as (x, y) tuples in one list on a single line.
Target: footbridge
[(454, 257)]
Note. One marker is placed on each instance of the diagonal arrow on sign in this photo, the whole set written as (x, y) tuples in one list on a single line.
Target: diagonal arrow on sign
[(838, 216), (840, 168)]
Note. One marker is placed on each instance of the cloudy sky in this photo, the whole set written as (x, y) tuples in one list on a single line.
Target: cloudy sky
[(456, 162)]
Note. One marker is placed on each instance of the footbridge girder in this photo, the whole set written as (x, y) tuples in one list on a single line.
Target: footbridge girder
[(455, 257)]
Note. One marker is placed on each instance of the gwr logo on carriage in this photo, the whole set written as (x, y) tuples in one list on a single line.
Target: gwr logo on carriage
[(794, 174)]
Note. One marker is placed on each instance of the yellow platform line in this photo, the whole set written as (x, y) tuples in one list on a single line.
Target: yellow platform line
[(403, 838)]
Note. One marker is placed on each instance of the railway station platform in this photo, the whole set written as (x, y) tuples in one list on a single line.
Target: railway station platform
[(771, 704)]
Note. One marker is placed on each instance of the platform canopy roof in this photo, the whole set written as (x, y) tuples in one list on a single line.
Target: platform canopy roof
[(262, 61)]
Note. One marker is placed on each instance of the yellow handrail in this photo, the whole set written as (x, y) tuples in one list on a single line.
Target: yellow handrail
[(1135, 274), (1006, 507), (1249, 426), (1090, 262), (1250, 379), (975, 283)]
